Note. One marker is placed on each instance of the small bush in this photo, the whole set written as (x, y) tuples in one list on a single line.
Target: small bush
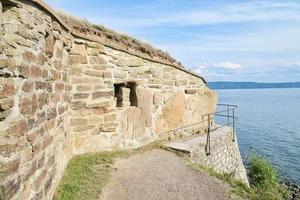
[(264, 181)]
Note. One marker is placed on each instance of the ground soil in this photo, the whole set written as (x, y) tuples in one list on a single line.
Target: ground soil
[(161, 175)]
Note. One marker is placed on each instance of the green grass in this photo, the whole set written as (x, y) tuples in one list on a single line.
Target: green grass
[(238, 187), (263, 178), (86, 175)]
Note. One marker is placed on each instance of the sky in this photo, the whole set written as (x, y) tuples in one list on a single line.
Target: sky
[(224, 40)]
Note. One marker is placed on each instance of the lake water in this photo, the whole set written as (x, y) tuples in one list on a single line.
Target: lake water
[(269, 124)]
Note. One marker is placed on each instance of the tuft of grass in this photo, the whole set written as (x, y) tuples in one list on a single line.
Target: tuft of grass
[(263, 178), (86, 175), (238, 187)]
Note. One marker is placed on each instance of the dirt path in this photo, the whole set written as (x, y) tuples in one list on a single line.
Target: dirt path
[(161, 175)]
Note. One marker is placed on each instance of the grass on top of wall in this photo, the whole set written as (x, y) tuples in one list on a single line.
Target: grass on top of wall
[(263, 178), (86, 175)]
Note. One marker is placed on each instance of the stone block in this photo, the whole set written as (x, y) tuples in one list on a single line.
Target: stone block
[(110, 117), (28, 86), (79, 49), (83, 88), (102, 94), (6, 87), (4, 114), (97, 60), (78, 121), (78, 105), (8, 146), (107, 75), (78, 59), (120, 75), (94, 73), (24, 70), (49, 45), (109, 127), (83, 128), (99, 104), (36, 71), (59, 87), (10, 188), (62, 109), (130, 62), (7, 63), (81, 95), (42, 100), (6, 103), (181, 83), (51, 113)]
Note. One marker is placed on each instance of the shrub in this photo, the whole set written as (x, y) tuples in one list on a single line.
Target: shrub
[(264, 180)]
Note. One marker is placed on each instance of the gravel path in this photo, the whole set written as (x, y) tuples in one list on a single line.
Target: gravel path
[(161, 175)]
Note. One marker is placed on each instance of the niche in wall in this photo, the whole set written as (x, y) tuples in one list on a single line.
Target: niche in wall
[(125, 94)]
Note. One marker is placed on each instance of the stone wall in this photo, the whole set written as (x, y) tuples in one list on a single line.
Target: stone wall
[(63, 93), (224, 155)]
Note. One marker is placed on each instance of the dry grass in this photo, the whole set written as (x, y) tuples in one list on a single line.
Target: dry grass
[(123, 40)]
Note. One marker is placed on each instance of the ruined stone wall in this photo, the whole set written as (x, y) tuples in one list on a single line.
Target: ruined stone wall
[(63, 94)]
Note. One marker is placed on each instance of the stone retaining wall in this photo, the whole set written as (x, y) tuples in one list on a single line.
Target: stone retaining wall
[(224, 157), (63, 94)]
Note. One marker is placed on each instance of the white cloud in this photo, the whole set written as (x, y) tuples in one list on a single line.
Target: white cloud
[(223, 65), (254, 11), (228, 65)]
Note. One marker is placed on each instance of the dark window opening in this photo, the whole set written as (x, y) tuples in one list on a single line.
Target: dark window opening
[(132, 94), (123, 97), (118, 94)]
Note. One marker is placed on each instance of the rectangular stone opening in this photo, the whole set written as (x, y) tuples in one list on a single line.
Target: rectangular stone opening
[(118, 94), (125, 94), (132, 94)]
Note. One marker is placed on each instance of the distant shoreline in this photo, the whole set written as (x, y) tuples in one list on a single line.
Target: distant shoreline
[(252, 85)]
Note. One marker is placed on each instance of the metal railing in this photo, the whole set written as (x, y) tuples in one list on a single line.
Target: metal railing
[(229, 113)]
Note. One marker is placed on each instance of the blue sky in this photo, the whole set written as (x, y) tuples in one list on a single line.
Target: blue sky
[(222, 40)]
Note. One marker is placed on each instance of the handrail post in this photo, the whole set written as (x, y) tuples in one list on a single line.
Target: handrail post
[(228, 115), (207, 147), (233, 119)]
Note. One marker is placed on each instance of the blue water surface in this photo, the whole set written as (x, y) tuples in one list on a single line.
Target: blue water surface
[(269, 124)]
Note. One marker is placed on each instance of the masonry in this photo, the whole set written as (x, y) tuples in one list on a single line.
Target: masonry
[(67, 88)]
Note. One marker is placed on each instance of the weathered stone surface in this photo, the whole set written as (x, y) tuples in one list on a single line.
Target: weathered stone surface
[(58, 97), (78, 59), (83, 88), (49, 46), (81, 95), (181, 83), (78, 48), (99, 95), (7, 87), (133, 62), (94, 73), (145, 97), (172, 113)]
